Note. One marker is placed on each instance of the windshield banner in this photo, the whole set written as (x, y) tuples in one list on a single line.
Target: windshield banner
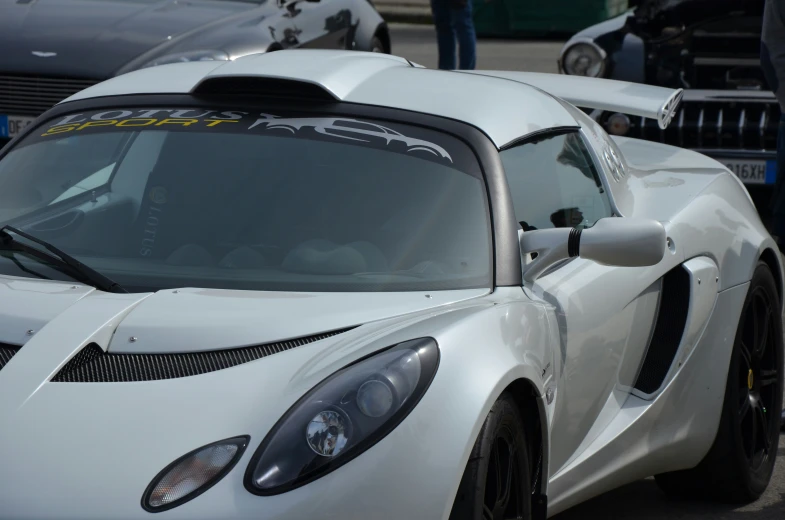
[(411, 140)]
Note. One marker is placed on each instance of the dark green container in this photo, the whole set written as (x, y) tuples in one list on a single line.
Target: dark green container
[(528, 18)]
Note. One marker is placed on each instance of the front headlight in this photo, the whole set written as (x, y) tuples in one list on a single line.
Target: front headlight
[(584, 58), (183, 57), (192, 474), (342, 416)]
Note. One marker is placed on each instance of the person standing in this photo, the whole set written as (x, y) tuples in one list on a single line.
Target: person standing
[(773, 64), (453, 20)]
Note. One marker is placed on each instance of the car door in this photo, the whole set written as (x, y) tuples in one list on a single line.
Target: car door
[(605, 315), (321, 24)]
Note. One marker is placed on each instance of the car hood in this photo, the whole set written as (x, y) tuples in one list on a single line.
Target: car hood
[(193, 320), (109, 33), (143, 426)]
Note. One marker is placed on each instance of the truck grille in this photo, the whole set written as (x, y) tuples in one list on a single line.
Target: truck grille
[(33, 95), (725, 54), (748, 125)]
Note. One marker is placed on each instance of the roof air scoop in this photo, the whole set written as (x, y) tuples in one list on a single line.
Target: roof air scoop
[(336, 73), (254, 87)]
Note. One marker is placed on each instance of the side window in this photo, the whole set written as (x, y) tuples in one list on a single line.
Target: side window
[(554, 183)]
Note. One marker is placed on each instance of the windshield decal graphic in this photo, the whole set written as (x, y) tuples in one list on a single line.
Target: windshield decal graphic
[(351, 129), (159, 117), (345, 129)]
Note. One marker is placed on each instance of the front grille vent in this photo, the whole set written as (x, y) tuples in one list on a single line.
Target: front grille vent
[(33, 95), (6, 353), (93, 365), (713, 125)]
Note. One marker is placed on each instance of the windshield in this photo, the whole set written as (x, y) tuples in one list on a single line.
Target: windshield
[(160, 198)]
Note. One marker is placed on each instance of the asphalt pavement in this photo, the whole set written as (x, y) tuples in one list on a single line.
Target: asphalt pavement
[(641, 500)]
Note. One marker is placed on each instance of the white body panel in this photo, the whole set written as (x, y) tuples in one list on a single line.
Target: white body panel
[(189, 320), (635, 444), (249, 399), (575, 338)]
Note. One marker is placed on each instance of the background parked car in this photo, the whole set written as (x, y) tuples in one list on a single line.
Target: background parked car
[(711, 48), (53, 49)]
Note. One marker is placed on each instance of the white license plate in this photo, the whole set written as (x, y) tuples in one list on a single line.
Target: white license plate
[(752, 171), (11, 126)]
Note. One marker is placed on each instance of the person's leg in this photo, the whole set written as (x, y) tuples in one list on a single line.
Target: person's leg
[(445, 34), (467, 39)]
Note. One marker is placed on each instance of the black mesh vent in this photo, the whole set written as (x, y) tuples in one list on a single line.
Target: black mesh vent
[(93, 365), (260, 88), (668, 331), (6, 353)]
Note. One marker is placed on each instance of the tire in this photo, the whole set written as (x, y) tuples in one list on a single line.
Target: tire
[(736, 469), (377, 45), (502, 437)]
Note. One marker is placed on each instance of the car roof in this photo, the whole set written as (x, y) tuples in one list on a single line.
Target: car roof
[(505, 110)]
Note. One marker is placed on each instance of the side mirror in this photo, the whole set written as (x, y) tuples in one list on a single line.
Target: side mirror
[(617, 241)]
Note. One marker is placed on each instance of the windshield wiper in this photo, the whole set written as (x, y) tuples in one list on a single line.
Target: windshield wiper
[(61, 260)]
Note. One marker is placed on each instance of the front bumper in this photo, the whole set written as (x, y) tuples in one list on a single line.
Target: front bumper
[(88, 451), (97, 463)]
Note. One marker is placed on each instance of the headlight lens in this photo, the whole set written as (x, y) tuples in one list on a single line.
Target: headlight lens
[(192, 474), (183, 57), (584, 59), (343, 416)]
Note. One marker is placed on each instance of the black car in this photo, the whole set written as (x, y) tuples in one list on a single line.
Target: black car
[(50, 49), (710, 48)]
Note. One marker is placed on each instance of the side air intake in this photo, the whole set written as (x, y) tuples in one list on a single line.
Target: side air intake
[(254, 88), (93, 365), (668, 331)]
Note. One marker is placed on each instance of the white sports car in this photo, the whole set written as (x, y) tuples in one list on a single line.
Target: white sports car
[(498, 313)]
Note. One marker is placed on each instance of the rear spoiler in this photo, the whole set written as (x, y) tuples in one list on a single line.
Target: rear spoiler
[(602, 94)]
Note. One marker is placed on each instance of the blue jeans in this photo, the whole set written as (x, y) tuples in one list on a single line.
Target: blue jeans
[(454, 22)]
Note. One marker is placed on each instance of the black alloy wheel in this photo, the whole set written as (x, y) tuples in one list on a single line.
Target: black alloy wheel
[(496, 482), (757, 378), (503, 499)]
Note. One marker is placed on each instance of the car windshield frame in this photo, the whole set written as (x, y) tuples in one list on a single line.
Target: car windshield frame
[(187, 102)]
